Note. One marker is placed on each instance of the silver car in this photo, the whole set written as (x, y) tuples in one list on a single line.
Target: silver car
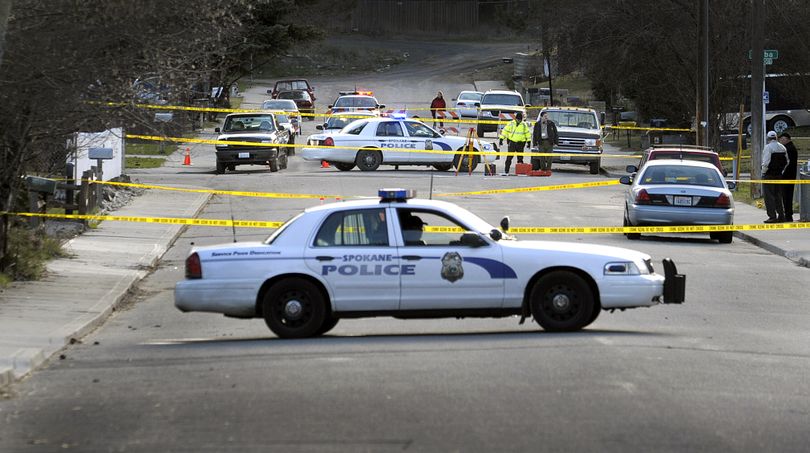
[(466, 103), (676, 192)]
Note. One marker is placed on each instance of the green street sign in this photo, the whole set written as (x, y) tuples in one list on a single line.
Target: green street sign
[(769, 55)]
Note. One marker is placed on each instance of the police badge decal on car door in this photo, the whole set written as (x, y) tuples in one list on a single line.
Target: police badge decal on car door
[(451, 267)]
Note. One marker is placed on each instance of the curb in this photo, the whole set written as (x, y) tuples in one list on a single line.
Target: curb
[(28, 359)]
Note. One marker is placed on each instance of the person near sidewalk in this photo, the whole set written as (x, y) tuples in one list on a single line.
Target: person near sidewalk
[(437, 107), (517, 135), (790, 173), (544, 137), (774, 161)]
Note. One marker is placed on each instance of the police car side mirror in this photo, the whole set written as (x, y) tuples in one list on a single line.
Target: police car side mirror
[(631, 169), (496, 235), (269, 91), (478, 104), (319, 127), (380, 106), (330, 106), (625, 180), (505, 224), (216, 129), (472, 240)]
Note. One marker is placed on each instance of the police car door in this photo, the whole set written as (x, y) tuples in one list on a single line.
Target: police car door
[(391, 139), (424, 138), (351, 254), (439, 271)]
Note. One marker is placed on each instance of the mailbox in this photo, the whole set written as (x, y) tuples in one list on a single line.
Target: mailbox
[(41, 185)]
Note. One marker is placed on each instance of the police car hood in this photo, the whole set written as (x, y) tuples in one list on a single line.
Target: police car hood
[(578, 132), (240, 249), (577, 249)]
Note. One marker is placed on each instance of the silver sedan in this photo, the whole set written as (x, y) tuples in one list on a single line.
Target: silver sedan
[(675, 192)]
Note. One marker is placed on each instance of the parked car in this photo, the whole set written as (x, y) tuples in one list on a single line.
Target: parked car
[(291, 85), (369, 143), (680, 152), (498, 105), (260, 128), (404, 257), (302, 99), (679, 192), (287, 115), (467, 103), (356, 102)]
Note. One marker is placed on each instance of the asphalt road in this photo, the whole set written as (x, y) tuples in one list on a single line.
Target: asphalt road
[(724, 372)]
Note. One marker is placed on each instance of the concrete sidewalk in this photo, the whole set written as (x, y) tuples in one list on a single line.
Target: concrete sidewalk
[(39, 318)]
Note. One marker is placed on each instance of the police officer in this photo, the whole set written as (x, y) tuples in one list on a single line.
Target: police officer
[(517, 134)]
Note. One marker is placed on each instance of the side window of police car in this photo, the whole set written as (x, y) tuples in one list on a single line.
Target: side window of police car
[(428, 228), (419, 130), (389, 129), (366, 227)]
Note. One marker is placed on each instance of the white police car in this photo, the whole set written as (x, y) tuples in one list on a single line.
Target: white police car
[(413, 258), (369, 143)]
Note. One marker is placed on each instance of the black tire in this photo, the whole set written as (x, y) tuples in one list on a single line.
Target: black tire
[(631, 236), (747, 127), (342, 166), (465, 161), (723, 237), (594, 167), (368, 160), (274, 165), (328, 324), (562, 301), (220, 168), (479, 131), (594, 315), (780, 124), (231, 167), (442, 167), (282, 160), (294, 308)]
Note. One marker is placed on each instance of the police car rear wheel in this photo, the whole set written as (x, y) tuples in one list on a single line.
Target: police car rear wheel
[(630, 236), (368, 160), (466, 164), (562, 302), (294, 308), (342, 166), (442, 167)]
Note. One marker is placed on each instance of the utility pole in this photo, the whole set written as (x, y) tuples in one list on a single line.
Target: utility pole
[(757, 93), (702, 108), (5, 10)]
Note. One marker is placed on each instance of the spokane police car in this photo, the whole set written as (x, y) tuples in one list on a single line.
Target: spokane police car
[(393, 141), (413, 258)]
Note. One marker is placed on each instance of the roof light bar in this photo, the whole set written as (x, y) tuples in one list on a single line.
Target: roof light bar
[(396, 194)]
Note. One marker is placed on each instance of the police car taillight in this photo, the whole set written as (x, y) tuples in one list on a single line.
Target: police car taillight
[(328, 141), (193, 266), (396, 194)]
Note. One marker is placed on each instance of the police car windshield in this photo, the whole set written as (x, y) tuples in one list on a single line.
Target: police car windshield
[(584, 120), (356, 102), (339, 122), (501, 99)]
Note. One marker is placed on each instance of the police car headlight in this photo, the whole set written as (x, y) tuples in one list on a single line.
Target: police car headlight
[(487, 147), (622, 268), (590, 142)]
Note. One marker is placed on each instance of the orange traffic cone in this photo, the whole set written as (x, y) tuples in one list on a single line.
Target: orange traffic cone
[(324, 164), (187, 159)]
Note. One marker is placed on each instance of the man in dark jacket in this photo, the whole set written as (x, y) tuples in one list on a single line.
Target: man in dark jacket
[(774, 161), (544, 137), (789, 173), (437, 107)]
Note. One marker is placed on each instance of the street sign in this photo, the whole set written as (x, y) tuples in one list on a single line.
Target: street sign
[(766, 97), (768, 56)]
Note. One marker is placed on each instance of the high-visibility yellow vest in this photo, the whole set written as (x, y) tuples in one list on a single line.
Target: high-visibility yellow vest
[(517, 132)]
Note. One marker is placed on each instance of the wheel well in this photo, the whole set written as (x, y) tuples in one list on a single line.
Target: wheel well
[(527, 311), (272, 281), (782, 117)]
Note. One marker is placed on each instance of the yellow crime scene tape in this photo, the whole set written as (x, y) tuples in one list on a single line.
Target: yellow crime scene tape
[(433, 229)]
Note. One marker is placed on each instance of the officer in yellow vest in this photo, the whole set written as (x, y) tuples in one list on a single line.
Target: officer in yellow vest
[(517, 134)]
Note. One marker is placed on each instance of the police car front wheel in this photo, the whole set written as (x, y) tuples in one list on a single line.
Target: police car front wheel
[(294, 308), (562, 301)]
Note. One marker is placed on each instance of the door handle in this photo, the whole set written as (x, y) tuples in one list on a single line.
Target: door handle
[(411, 257), (324, 258)]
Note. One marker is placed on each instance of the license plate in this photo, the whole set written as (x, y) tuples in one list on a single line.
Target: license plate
[(244, 155), (683, 201), (565, 157)]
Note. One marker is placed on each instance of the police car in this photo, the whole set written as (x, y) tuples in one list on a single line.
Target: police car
[(354, 101), (413, 258), (369, 143)]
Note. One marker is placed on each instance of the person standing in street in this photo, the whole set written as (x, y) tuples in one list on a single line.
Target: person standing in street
[(437, 107), (789, 173), (517, 135), (774, 161), (544, 137)]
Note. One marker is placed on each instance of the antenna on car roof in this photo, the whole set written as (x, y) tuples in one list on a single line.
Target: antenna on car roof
[(233, 227)]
